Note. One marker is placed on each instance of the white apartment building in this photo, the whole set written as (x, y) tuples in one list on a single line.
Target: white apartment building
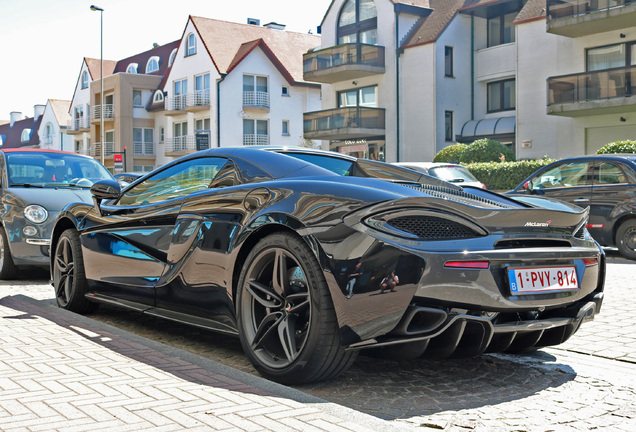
[(52, 131), (237, 84), (546, 77)]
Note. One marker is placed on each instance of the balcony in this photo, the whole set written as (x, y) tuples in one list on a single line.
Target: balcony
[(344, 123), (343, 62), (175, 105), (180, 145), (96, 148), (255, 139), (255, 101), (106, 110), (576, 18), (142, 149), (77, 125), (198, 100), (592, 93)]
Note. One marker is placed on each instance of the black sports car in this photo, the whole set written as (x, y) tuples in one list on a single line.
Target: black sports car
[(310, 257)]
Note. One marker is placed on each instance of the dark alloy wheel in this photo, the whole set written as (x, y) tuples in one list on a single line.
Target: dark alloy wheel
[(286, 319), (68, 275), (8, 270), (626, 239)]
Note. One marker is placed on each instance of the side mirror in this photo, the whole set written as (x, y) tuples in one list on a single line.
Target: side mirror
[(104, 190), (527, 186)]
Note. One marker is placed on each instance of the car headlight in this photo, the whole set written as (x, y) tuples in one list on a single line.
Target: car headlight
[(36, 213)]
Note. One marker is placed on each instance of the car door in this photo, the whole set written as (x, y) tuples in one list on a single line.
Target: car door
[(126, 247), (611, 189), (568, 181)]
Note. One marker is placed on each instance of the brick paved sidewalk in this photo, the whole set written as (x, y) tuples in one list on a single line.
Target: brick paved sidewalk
[(62, 371)]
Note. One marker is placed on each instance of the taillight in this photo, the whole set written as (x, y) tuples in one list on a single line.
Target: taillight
[(479, 265), (590, 261)]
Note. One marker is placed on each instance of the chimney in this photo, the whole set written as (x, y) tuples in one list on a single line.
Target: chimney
[(15, 116), (155, 45), (38, 110), (275, 26)]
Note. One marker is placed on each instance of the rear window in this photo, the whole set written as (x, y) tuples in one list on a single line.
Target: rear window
[(452, 173), (341, 167)]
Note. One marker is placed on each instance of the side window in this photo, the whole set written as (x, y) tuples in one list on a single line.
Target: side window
[(606, 173), (564, 175), (174, 182)]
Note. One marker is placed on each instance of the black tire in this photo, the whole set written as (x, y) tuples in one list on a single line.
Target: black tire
[(69, 279), (8, 270), (626, 239), (286, 319)]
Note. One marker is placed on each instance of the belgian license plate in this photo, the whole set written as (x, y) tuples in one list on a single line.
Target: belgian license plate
[(532, 280)]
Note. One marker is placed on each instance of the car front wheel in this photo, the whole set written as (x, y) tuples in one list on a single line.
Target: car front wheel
[(626, 239), (286, 319), (69, 279)]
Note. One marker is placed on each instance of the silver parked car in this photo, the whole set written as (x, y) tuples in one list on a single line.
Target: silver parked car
[(449, 172), (35, 185)]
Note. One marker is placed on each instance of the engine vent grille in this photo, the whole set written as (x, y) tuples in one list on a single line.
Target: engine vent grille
[(458, 195), (531, 243), (431, 228)]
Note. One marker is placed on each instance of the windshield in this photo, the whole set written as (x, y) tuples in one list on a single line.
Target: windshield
[(452, 173), (53, 170)]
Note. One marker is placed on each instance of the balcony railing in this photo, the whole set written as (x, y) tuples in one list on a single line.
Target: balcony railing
[(78, 123), (255, 139), (144, 148), (567, 8), (340, 119), (96, 148), (198, 98), (176, 103), (181, 143), (346, 61), (591, 86), (257, 99), (107, 111)]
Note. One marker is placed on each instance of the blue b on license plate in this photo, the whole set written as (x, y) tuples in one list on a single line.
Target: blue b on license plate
[(532, 280)]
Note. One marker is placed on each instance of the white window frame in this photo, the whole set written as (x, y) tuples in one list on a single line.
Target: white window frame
[(85, 80), (191, 45), (132, 68), (141, 99), (173, 54), (284, 91), (285, 127), (144, 147), (26, 135), (158, 97), (152, 61)]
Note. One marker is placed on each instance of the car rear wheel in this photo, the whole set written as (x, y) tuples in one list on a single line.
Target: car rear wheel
[(626, 239), (286, 319), (69, 279), (8, 270)]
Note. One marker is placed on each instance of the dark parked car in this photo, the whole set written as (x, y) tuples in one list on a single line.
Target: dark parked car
[(311, 256), (452, 173), (35, 185), (605, 183)]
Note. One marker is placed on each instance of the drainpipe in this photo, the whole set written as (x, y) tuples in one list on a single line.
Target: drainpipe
[(397, 88), (218, 110)]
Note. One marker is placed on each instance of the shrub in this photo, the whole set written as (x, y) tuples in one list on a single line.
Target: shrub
[(450, 154), (626, 146), (505, 175), (487, 150)]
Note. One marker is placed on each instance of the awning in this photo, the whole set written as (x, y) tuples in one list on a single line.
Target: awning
[(501, 128)]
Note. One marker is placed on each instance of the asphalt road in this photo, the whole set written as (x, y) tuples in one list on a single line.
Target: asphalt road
[(588, 383)]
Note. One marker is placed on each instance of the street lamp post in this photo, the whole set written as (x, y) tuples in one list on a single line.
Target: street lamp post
[(101, 80)]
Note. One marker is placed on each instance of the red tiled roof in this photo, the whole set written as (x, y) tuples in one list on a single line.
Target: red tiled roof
[(94, 67), (225, 41), (532, 10), (430, 27), (60, 110), (163, 52)]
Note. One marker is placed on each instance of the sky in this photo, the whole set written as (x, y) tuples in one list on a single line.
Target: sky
[(43, 42)]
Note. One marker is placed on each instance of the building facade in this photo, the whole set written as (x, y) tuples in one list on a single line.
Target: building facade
[(545, 77)]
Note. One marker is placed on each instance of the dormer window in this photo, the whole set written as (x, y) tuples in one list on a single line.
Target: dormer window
[(158, 98), (85, 80), (191, 48), (172, 56), (152, 65), (26, 135), (132, 68)]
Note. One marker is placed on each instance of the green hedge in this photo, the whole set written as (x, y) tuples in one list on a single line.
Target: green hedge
[(627, 146), (505, 175), (451, 154), (487, 150)]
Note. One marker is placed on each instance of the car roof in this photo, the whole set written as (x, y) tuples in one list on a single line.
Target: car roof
[(615, 156), (35, 150), (428, 164)]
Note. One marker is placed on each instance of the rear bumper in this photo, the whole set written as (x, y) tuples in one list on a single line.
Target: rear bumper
[(443, 334)]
